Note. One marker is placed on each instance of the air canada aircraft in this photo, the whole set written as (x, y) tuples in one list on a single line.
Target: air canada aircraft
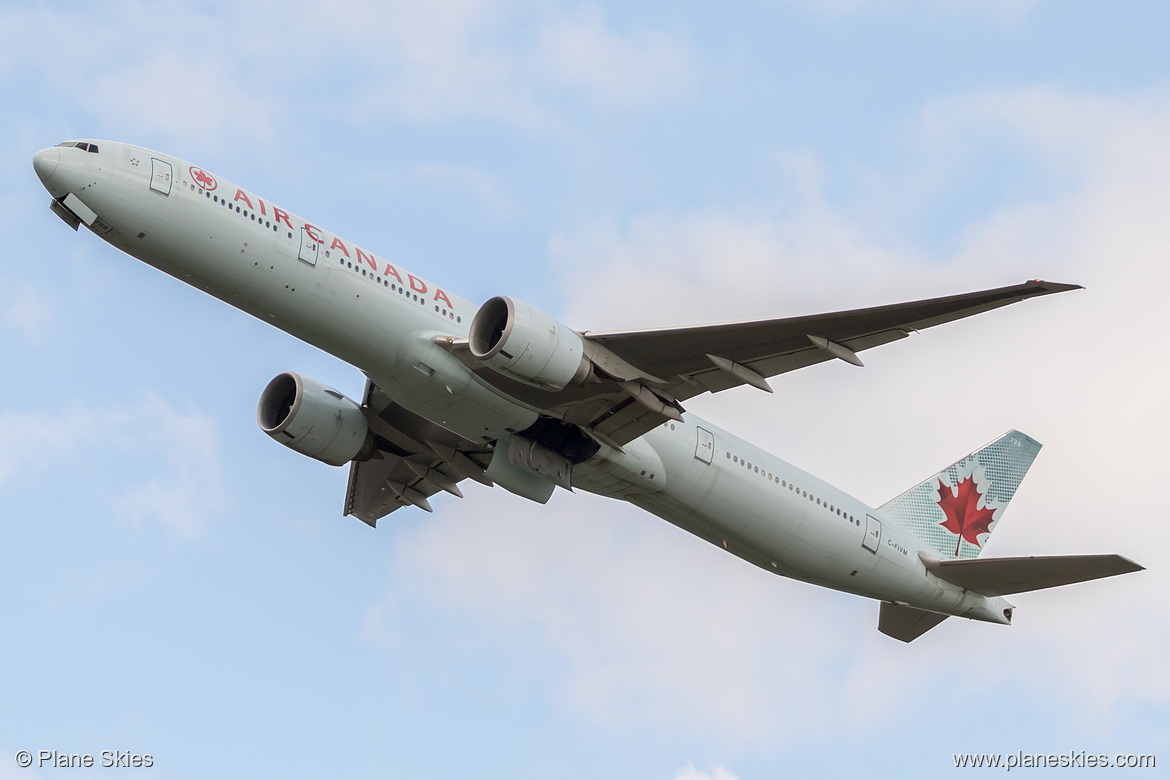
[(506, 395)]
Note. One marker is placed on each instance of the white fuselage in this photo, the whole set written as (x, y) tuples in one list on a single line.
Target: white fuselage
[(382, 318)]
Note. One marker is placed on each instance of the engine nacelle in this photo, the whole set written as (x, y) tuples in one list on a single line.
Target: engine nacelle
[(523, 343), (314, 419)]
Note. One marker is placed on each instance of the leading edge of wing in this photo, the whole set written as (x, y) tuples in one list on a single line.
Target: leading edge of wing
[(683, 350), (1020, 292)]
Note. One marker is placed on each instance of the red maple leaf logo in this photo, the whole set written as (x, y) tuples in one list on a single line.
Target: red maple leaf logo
[(203, 178), (964, 517)]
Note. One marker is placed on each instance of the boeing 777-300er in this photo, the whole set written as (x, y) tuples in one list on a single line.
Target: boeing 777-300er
[(505, 394)]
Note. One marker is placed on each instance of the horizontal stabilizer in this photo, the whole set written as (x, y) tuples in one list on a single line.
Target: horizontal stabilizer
[(1004, 576), (906, 623)]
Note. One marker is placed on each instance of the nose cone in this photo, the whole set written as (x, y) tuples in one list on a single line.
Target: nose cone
[(45, 163)]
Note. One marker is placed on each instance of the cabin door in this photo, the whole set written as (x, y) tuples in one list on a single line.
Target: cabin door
[(873, 533), (705, 445), (160, 176), (308, 253)]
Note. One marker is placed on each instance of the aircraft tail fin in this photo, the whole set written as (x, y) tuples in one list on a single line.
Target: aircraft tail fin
[(906, 623), (955, 511), (1005, 576)]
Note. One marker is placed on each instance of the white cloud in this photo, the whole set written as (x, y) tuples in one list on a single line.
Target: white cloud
[(1008, 11), (1005, 12), (657, 628), (156, 68), (484, 188), (456, 59), (651, 625), (433, 62), (24, 308), (690, 773), (643, 69), (191, 486), (184, 486), (223, 71)]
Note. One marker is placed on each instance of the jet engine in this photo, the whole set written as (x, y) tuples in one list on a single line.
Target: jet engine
[(314, 419), (523, 343)]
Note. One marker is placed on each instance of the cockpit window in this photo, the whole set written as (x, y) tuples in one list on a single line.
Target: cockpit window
[(87, 147)]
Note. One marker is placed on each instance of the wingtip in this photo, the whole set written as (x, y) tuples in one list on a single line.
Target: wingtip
[(1054, 287), (1134, 565)]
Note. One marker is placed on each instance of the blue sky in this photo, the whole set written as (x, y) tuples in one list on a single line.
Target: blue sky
[(175, 583)]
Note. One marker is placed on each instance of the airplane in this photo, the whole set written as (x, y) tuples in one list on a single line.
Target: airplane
[(504, 394)]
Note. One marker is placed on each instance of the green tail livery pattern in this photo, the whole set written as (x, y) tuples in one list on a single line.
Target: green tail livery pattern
[(955, 511)]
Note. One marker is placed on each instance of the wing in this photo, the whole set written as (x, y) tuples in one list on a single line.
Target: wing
[(771, 347), (416, 459), (645, 375)]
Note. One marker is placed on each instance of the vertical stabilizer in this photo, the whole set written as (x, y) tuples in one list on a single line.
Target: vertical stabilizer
[(955, 511)]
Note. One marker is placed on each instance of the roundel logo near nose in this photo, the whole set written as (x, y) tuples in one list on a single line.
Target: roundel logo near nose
[(203, 178)]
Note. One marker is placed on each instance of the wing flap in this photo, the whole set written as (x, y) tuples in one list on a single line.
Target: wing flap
[(377, 487), (416, 459), (1005, 576)]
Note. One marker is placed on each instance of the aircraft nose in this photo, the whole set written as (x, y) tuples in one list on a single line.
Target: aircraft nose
[(45, 163)]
